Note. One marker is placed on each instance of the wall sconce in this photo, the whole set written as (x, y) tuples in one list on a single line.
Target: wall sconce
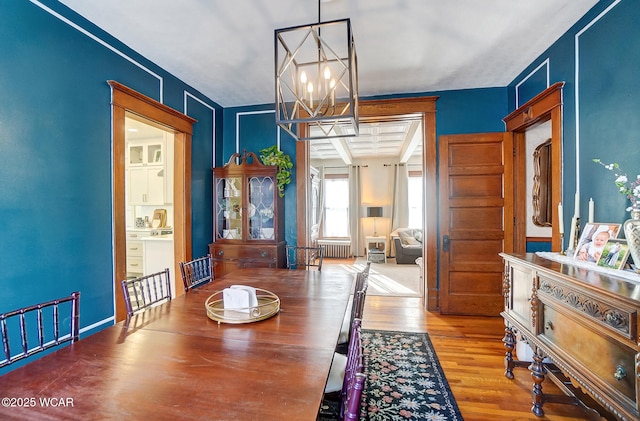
[(374, 212)]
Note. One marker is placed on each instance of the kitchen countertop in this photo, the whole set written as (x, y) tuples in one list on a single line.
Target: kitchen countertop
[(164, 237)]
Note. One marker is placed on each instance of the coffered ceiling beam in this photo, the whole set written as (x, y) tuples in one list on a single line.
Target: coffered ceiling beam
[(410, 142), (341, 147)]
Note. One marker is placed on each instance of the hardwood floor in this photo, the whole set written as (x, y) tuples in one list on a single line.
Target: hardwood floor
[(471, 352)]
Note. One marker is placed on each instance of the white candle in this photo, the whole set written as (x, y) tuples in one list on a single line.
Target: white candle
[(560, 219), (303, 81), (591, 210), (572, 235), (576, 212), (332, 86), (310, 90)]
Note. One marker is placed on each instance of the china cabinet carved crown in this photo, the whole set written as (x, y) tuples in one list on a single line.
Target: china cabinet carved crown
[(248, 215), (585, 322)]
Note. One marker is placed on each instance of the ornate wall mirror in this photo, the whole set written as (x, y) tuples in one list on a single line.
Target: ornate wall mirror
[(542, 182)]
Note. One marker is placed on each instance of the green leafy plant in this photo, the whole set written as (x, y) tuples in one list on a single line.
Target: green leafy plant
[(273, 156)]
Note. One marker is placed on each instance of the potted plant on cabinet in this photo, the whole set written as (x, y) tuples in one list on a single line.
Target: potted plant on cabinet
[(273, 156)]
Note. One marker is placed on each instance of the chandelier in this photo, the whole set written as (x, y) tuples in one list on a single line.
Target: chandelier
[(317, 79)]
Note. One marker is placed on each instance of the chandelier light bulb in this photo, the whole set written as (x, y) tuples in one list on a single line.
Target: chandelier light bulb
[(303, 77), (310, 90), (327, 73)]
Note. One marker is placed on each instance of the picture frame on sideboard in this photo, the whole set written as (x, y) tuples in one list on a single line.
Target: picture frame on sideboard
[(615, 254)]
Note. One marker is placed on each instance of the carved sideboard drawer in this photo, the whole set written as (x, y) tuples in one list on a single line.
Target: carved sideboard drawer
[(230, 257), (613, 317), (609, 364), (232, 251)]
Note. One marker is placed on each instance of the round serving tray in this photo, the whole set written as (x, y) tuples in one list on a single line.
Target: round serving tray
[(268, 306)]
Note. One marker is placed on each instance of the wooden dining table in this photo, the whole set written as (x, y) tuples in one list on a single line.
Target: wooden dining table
[(174, 362)]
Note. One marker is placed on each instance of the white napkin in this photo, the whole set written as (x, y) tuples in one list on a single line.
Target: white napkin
[(240, 298)]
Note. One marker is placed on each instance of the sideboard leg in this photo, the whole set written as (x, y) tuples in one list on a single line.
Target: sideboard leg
[(538, 372), (509, 344)]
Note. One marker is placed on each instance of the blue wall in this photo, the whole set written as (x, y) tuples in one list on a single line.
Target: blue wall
[(55, 155), (55, 138), (252, 129), (461, 111), (599, 59)]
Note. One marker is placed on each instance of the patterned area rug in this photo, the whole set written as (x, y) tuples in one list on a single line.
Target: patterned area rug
[(404, 380)]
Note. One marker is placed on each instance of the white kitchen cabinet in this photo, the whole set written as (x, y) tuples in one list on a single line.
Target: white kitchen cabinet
[(149, 171), (145, 153), (146, 185), (135, 252), (158, 255)]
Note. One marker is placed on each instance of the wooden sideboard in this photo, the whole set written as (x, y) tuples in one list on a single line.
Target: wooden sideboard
[(582, 326)]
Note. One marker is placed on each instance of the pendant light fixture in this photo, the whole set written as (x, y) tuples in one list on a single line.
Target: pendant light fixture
[(317, 79)]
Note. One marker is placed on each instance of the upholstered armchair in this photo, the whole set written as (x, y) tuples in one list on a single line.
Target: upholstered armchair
[(408, 245)]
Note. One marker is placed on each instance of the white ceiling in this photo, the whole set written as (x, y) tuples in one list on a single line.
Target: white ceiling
[(225, 49)]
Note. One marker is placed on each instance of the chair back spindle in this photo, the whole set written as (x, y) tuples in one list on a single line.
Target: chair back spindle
[(299, 257), (146, 291), (354, 376), (196, 272), (49, 334)]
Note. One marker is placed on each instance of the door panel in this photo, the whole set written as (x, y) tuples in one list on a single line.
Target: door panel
[(472, 213)]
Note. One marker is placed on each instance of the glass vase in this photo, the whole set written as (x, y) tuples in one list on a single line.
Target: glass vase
[(632, 234)]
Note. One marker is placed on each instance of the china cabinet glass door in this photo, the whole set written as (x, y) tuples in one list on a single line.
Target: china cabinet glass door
[(261, 208), (229, 208)]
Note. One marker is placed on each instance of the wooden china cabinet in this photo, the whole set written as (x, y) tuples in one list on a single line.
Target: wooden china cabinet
[(248, 216)]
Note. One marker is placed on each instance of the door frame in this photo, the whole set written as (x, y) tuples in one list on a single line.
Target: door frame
[(388, 108), (545, 106), (123, 100)]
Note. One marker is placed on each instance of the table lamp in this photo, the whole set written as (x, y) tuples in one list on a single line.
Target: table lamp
[(374, 212)]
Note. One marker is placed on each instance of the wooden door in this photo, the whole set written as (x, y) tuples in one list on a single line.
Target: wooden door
[(472, 221)]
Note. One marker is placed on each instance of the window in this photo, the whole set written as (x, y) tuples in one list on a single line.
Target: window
[(415, 199), (336, 206)]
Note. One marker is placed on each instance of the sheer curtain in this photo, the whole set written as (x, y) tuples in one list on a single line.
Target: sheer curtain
[(399, 188), (355, 229), (320, 202)]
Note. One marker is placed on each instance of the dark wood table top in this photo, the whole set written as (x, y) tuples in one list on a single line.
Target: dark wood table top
[(173, 362)]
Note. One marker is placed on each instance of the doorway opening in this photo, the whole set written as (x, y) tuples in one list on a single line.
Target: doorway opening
[(149, 151), (126, 102), (388, 110)]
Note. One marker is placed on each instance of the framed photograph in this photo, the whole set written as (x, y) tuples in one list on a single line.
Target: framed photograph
[(593, 240), (615, 254), (157, 156)]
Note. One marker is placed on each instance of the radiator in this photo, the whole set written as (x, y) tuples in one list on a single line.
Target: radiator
[(336, 248)]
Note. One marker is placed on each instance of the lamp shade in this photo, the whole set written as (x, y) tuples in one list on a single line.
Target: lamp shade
[(374, 212)]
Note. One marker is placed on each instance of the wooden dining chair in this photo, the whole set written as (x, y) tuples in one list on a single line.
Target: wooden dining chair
[(196, 272), (48, 320), (146, 291), (344, 367), (355, 309), (299, 257), (354, 376)]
